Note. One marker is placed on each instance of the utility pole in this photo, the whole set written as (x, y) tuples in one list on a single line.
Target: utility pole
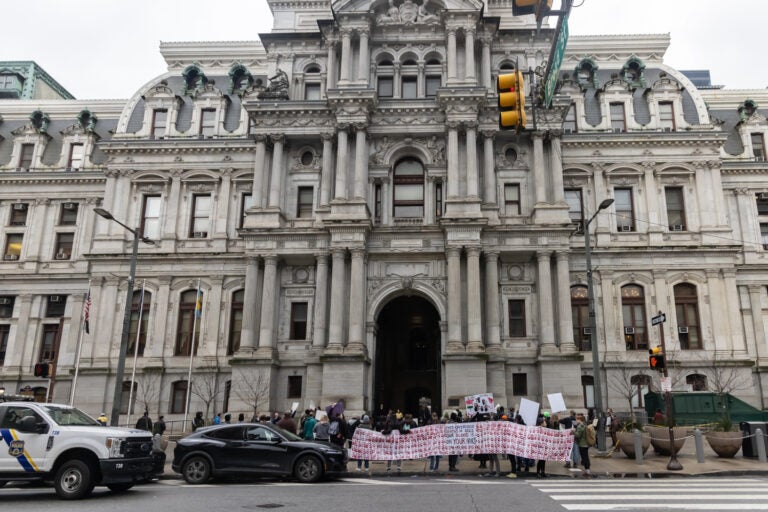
[(673, 464)]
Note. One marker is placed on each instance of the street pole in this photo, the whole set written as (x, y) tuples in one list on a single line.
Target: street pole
[(673, 464)]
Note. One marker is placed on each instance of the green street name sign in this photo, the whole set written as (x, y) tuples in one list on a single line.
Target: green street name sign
[(558, 51)]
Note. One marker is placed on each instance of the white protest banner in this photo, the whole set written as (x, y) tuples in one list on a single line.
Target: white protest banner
[(463, 439), (312, 404), (479, 404), (556, 402), (294, 406), (320, 414), (529, 410)]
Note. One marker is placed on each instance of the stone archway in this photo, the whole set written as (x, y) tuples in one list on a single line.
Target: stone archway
[(408, 350)]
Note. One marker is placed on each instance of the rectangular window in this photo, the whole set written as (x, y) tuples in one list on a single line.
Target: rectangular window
[(208, 121), (178, 397), (675, 208), (666, 116), (377, 202), (64, 246), (48, 346), (150, 217), (520, 384), (25, 161), (625, 215), (19, 214), (618, 120), (438, 200), (433, 84), (13, 244), (4, 330), (6, 306), (55, 306), (764, 235), (312, 92), (410, 88), (304, 203), (512, 199), (569, 123), (298, 320), (159, 122), (294, 386), (517, 318), (575, 209), (385, 87), (68, 214), (758, 147), (245, 204), (201, 215), (762, 203), (76, 156)]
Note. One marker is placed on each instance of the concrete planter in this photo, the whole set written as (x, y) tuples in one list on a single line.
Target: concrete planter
[(627, 442), (660, 438), (724, 444)]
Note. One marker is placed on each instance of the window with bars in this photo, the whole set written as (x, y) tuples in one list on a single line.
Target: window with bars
[(235, 322), (666, 116), (624, 208), (201, 216), (299, 312), (516, 308), (512, 199), (294, 386), (618, 117), (697, 381), (519, 384), (687, 313), (675, 208), (633, 313)]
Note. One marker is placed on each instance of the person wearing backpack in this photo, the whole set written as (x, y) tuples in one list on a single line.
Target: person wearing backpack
[(337, 430), (580, 437)]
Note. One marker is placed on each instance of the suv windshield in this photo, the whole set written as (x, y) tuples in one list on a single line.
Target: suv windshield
[(69, 416)]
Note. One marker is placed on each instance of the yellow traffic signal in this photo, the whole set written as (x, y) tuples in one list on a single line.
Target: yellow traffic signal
[(656, 359), (524, 7), (511, 100)]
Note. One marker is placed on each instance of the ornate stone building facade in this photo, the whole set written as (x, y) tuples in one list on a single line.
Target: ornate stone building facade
[(361, 229)]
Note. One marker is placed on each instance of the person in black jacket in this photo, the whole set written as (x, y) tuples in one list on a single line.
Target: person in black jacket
[(145, 422)]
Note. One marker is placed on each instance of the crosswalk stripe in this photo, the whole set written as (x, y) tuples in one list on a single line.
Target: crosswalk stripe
[(662, 482), (690, 497), (682, 506), (658, 490)]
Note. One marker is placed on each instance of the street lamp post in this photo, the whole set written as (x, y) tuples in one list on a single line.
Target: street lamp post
[(118, 392), (593, 329)]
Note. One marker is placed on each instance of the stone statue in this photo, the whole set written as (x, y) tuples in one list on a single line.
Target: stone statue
[(425, 17), (277, 88), (391, 16), (408, 11)]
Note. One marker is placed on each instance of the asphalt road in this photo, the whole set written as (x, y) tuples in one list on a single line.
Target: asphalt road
[(425, 494)]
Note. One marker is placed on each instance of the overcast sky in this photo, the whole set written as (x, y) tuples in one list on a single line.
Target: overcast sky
[(109, 48)]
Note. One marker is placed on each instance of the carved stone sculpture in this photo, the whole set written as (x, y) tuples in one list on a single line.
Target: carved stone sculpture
[(277, 88)]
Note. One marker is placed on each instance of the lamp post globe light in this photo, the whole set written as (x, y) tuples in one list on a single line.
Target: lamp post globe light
[(118, 392), (593, 328)]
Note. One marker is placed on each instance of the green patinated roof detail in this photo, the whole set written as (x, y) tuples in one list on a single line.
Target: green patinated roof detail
[(32, 72)]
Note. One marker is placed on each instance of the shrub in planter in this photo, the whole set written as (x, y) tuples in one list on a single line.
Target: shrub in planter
[(660, 438), (724, 439)]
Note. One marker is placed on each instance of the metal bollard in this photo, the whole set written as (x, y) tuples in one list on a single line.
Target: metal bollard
[(638, 440), (699, 445), (760, 440)]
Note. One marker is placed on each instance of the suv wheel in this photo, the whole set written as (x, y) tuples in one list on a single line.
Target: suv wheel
[(308, 469), (196, 470), (73, 480)]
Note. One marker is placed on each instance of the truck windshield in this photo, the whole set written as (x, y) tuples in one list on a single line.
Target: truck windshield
[(69, 416)]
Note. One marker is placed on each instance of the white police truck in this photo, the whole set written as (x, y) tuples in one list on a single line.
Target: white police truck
[(62, 445)]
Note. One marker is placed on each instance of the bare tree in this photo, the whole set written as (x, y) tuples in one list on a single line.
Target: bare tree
[(205, 386), (724, 378), (148, 389), (253, 388), (624, 382)]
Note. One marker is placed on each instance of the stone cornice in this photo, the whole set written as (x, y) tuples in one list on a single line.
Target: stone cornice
[(216, 54), (19, 110), (176, 146), (45, 178), (612, 51), (652, 139)]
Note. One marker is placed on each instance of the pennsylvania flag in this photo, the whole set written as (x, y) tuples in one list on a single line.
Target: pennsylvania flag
[(198, 301)]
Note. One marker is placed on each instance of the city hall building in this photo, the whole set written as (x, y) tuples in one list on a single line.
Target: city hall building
[(360, 229)]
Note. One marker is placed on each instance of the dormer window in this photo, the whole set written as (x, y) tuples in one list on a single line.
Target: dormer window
[(194, 79), (159, 122), (76, 157), (25, 159), (618, 118), (208, 122), (633, 72), (666, 116), (758, 147), (585, 73)]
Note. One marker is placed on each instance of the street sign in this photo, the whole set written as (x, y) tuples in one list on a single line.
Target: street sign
[(555, 60), (666, 384), (658, 319)]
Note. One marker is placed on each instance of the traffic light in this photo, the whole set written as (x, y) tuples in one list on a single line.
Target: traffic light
[(511, 101), (538, 7), (42, 370), (656, 359)]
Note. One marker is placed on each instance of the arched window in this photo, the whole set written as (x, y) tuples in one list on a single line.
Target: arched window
[(585, 73), (580, 312), (235, 322), (178, 403), (409, 80), (312, 90), (641, 384), (126, 395), (588, 390), (433, 77), (385, 78), (138, 305), (697, 381), (687, 311), (187, 319), (633, 311), (408, 189)]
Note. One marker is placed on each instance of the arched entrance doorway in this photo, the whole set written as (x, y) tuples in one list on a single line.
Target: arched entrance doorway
[(407, 367)]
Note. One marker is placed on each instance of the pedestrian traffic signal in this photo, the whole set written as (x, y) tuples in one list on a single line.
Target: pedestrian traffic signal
[(656, 359), (538, 7), (511, 101), (42, 370)]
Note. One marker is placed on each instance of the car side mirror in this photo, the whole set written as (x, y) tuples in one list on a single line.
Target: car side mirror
[(28, 424), (42, 427)]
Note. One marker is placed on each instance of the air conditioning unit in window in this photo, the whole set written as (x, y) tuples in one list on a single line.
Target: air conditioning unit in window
[(200, 234), (54, 298), (682, 330), (21, 169), (667, 129), (586, 331), (69, 206), (4, 301), (763, 196), (618, 130), (625, 228), (568, 130), (11, 257), (62, 256), (677, 227), (20, 206), (629, 330)]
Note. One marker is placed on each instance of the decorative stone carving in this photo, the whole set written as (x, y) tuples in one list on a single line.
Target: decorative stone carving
[(407, 14), (277, 88)]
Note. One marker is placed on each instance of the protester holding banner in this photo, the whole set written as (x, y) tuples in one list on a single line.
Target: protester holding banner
[(453, 459), (392, 426), (364, 424), (434, 460)]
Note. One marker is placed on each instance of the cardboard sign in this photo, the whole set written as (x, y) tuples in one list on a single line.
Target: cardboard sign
[(479, 404), (529, 411), (556, 402)]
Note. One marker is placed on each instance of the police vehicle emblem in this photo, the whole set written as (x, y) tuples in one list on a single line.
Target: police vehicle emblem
[(16, 448)]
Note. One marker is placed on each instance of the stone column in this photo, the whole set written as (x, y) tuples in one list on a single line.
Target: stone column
[(556, 161), (718, 299), (331, 67), (546, 318), (655, 223), (161, 299), (38, 215), (363, 58), (338, 304), (320, 333), (258, 171), (341, 162), (486, 62), (249, 332), (737, 342), (276, 179), (539, 177), (469, 54), (564, 313), (386, 205), (454, 300), (104, 226), (220, 207), (119, 208), (492, 329), (474, 302), (327, 170), (361, 161), (357, 302), (346, 50), (471, 137), (720, 207), (172, 206), (14, 353), (396, 80), (453, 159), (758, 323), (451, 32), (268, 299), (421, 88), (489, 168)]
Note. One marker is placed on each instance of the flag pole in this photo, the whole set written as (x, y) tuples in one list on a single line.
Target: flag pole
[(135, 352), (198, 313), (80, 344)]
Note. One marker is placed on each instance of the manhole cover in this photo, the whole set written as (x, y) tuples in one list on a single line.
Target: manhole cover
[(269, 505)]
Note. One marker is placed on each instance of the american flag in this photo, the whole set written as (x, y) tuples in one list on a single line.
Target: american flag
[(87, 311)]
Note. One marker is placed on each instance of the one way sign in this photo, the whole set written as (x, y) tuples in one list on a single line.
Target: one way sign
[(658, 319)]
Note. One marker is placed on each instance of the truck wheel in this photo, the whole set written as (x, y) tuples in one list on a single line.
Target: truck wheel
[(308, 469), (3, 482), (73, 480), (119, 487), (196, 470)]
